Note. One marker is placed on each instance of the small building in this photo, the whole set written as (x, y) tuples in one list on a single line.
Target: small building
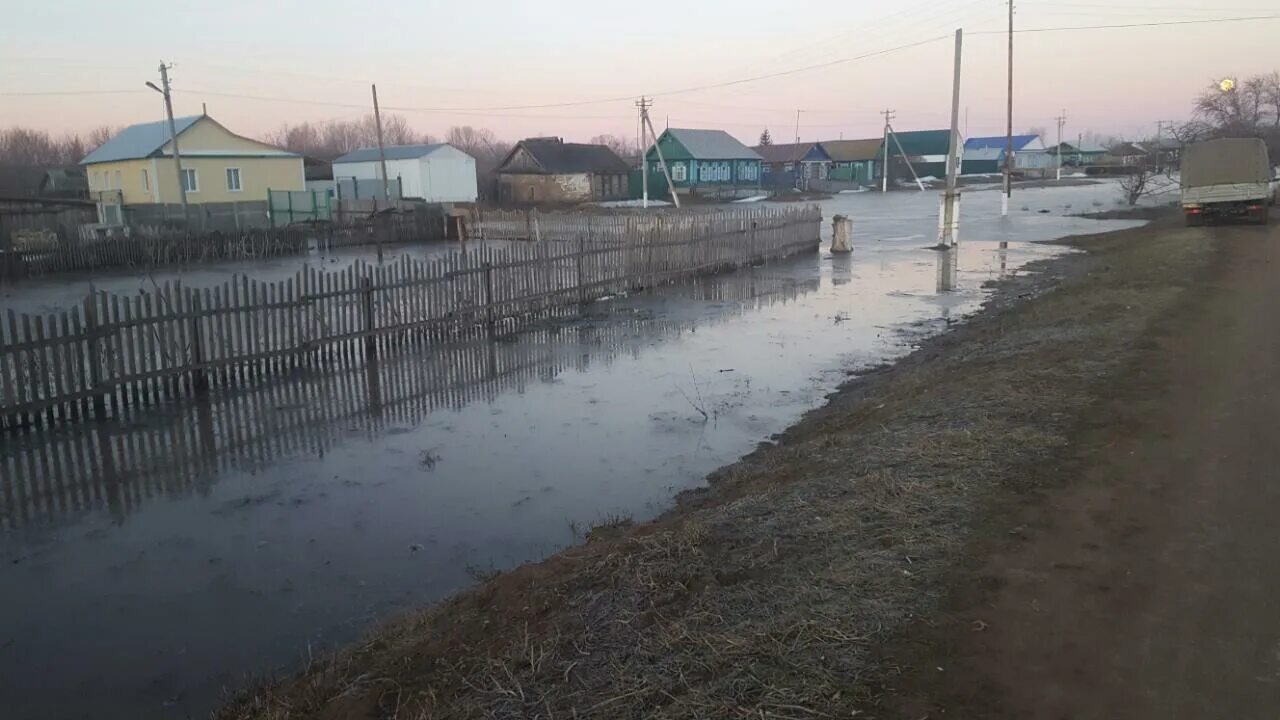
[(855, 161), (986, 155), (1126, 154), (550, 170), (435, 172), (135, 167), (704, 162), (1077, 154), (925, 150), (793, 165)]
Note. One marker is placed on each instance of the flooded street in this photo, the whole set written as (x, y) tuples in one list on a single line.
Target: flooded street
[(150, 566)]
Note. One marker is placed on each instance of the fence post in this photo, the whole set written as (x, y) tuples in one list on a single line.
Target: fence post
[(91, 347), (199, 381), (582, 288), (370, 344), (488, 296)]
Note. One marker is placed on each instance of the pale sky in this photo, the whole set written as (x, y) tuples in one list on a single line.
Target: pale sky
[(430, 55)]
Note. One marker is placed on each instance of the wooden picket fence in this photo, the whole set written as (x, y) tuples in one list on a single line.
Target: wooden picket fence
[(117, 353), (118, 467)]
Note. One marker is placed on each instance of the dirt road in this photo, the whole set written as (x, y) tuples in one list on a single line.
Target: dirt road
[(1146, 584)]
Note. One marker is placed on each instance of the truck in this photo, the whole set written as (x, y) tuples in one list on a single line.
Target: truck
[(1227, 178)]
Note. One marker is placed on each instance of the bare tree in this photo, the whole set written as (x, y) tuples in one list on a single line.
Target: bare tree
[(622, 146), (1137, 185)]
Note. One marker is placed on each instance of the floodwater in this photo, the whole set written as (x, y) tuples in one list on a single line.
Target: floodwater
[(149, 567)]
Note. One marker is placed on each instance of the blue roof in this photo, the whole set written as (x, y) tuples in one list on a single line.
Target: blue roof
[(393, 152), (138, 141), (999, 142)]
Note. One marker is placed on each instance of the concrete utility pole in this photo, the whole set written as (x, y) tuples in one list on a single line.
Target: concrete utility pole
[(1160, 125), (947, 238), (666, 172), (643, 104), (884, 170), (1008, 150), (1062, 120), (173, 137), (382, 154), (797, 127)]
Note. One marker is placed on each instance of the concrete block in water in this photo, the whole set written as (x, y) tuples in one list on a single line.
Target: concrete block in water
[(841, 232)]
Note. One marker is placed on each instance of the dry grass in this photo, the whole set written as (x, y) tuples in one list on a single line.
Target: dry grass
[(767, 595)]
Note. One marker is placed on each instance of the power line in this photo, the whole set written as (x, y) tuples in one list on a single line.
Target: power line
[(70, 92), (397, 108), (1203, 21)]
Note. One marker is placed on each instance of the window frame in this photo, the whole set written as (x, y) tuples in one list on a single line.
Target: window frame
[(146, 181), (679, 172), (239, 179), (194, 187)]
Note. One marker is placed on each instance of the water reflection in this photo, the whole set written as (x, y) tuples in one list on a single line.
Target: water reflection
[(181, 449)]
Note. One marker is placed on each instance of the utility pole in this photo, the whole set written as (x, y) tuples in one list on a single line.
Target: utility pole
[(950, 200), (797, 127), (1062, 120), (1008, 150), (884, 170), (666, 172), (1160, 125), (173, 136), (382, 154), (643, 104)]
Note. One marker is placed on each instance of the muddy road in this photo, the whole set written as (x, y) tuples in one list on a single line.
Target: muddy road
[(1143, 582)]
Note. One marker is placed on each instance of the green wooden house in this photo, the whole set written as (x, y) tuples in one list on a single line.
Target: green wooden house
[(855, 161), (926, 150), (703, 162)]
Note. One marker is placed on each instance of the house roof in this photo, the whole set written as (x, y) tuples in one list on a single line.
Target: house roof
[(984, 153), (712, 144), (20, 181), (853, 150), (787, 152), (555, 156), (392, 152), (922, 142), (1125, 149), (1086, 148), (138, 141), (998, 142)]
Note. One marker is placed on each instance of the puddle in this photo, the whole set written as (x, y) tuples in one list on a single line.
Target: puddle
[(149, 566)]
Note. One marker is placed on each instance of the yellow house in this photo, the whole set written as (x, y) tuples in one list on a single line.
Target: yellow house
[(217, 165)]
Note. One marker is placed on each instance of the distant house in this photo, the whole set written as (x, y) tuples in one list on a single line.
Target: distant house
[(20, 182), (986, 155), (319, 174), (856, 161), (704, 162), (1127, 154), (136, 166), (550, 170), (67, 183), (435, 172), (1077, 154), (793, 164), (925, 150)]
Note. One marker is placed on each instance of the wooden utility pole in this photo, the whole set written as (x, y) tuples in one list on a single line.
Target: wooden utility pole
[(1008, 150), (173, 138), (947, 237), (643, 104), (382, 154), (884, 171), (797, 127), (1062, 120)]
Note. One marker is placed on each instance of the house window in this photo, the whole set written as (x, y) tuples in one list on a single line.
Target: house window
[(119, 184), (146, 182), (679, 173), (233, 179), (190, 181)]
